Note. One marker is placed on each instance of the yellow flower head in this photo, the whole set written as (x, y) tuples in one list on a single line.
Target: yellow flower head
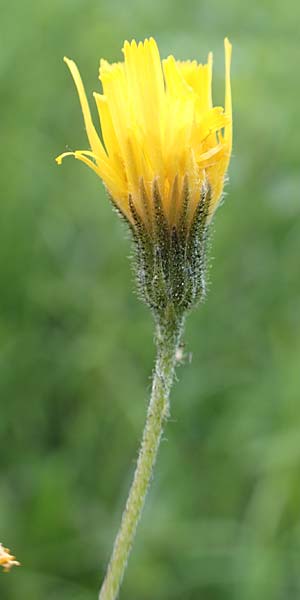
[(7, 560), (159, 130)]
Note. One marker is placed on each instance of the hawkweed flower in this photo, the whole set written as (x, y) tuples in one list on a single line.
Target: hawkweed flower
[(7, 560), (163, 157)]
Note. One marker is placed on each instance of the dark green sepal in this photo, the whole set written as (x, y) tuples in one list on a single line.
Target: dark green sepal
[(170, 260)]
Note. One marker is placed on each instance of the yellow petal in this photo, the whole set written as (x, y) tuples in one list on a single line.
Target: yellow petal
[(228, 100), (93, 137)]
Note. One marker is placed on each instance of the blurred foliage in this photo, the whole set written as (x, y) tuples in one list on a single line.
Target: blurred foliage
[(76, 349)]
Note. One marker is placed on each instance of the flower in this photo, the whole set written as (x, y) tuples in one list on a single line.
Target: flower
[(7, 560), (163, 158), (160, 130)]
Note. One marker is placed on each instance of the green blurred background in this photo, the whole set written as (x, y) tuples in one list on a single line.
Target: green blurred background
[(222, 521)]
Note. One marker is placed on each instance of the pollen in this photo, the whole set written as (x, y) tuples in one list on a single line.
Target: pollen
[(158, 128)]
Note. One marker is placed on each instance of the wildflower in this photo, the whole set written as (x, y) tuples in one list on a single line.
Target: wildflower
[(7, 560), (163, 160), (158, 125)]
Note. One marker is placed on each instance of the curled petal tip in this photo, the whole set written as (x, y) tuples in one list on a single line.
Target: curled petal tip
[(60, 158)]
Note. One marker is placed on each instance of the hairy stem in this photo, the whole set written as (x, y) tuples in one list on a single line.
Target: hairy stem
[(168, 333)]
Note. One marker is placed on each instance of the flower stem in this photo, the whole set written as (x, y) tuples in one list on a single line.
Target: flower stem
[(168, 332)]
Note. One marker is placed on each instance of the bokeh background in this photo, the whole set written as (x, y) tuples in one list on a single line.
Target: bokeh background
[(222, 521)]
